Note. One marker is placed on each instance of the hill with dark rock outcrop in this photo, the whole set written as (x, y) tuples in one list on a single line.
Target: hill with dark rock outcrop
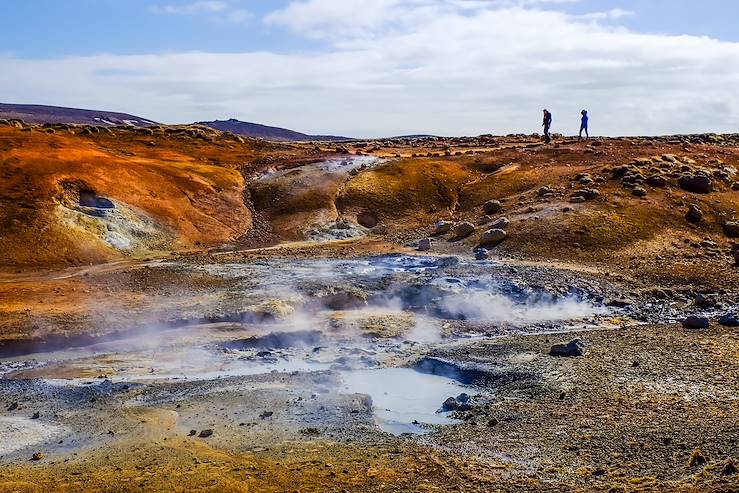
[(37, 113), (266, 132)]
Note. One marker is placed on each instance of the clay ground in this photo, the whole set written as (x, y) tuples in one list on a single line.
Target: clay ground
[(651, 405)]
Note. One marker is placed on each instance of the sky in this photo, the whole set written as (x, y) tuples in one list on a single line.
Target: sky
[(372, 68)]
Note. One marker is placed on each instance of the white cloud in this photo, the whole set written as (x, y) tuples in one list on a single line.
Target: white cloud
[(396, 67), (207, 6), (215, 9)]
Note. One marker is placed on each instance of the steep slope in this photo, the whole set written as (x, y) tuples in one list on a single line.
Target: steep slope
[(266, 132), (36, 113), (93, 196)]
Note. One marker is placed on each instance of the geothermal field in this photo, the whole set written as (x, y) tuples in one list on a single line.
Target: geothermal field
[(187, 309)]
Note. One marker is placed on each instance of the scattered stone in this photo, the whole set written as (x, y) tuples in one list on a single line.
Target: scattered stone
[(694, 322), (424, 245), (442, 227), (266, 414), (492, 237), (192, 433), (205, 433), (656, 181), (482, 254), (491, 207), (731, 229), (573, 348), (586, 193), (544, 191), (13, 406), (705, 301), (501, 223), (463, 230), (639, 192), (697, 458), (492, 422), (453, 404), (37, 456), (695, 183), (36, 415), (482, 220), (730, 319), (729, 468), (577, 200), (694, 214)]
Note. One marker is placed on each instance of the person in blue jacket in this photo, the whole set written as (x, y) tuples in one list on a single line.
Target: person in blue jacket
[(584, 124)]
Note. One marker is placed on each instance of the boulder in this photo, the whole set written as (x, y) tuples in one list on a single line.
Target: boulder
[(463, 230), (452, 404), (731, 229), (492, 206), (501, 223), (694, 214), (482, 220), (492, 237), (573, 348), (442, 227), (656, 181), (697, 183), (424, 245), (639, 192), (730, 319), (694, 322), (586, 193)]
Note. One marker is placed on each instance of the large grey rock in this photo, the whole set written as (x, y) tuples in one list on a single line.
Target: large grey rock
[(492, 237), (501, 223), (571, 349), (492, 206), (442, 227), (463, 230), (424, 245)]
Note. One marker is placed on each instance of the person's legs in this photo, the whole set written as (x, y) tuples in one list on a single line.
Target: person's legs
[(547, 137), (587, 134)]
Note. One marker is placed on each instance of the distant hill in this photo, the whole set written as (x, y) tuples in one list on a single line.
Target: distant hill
[(36, 113), (256, 130)]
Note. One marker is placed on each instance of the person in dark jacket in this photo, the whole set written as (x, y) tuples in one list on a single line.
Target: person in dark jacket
[(547, 124), (584, 124)]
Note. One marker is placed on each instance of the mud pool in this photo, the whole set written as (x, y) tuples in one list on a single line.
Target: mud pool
[(359, 327)]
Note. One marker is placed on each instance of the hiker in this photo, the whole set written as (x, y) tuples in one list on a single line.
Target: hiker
[(547, 124), (584, 124)]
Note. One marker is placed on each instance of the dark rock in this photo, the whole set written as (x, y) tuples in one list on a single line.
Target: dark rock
[(492, 237), (639, 192), (587, 194), (192, 433), (266, 414), (463, 230), (205, 433), (571, 349), (13, 406), (695, 322), (501, 223), (656, 181), (492, 206), (695, 183), (424, 245), (442, 227), (481, 254), (731, 229), (37, 456), (36, 415), (730, 319), (452, 404), (694, 214)]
